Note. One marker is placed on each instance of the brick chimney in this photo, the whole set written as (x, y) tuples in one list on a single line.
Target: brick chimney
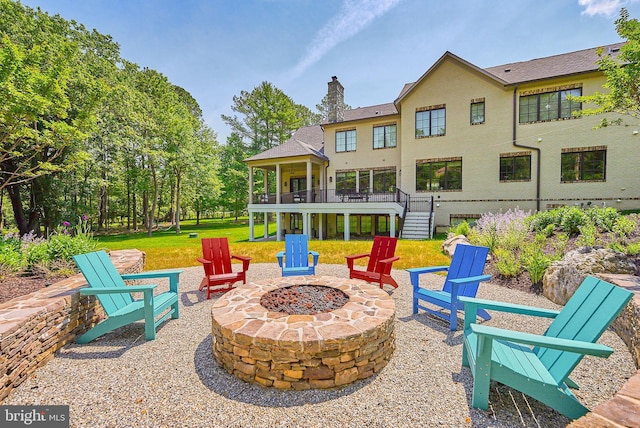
[(335, 97)]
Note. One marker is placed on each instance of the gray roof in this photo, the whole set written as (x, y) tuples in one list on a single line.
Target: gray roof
[(553, 66), (308, 140)]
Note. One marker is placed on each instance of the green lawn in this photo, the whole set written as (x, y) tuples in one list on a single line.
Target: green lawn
[(166, 249)]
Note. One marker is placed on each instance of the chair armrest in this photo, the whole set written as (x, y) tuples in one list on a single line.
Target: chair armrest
[(389, 260), (280, 257), (471, 306), (245, 261), (204, 261), (569, 345), (414, 273), (315, 255), (468, 280), (173, 275), (116, 290), (350, 259)]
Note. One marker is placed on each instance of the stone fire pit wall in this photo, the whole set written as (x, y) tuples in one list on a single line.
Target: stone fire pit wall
[(304, 351)]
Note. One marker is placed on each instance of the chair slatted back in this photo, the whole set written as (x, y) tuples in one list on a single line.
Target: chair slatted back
[(467, 261), (383, 248), (216, 250), (99, 271), (296, 250), (587, 314)]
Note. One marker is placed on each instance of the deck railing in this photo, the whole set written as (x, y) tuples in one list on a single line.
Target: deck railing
[(331, 196)]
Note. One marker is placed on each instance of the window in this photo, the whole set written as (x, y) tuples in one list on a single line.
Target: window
[(384, 136), (439, 174), (346, 181), (384, 180), (346, 141), (552, 105), (515, 167), (363, 181), (477, 112), (583, 164), (430, 122)]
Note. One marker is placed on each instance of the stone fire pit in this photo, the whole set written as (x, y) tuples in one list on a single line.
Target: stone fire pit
[(323, 350)]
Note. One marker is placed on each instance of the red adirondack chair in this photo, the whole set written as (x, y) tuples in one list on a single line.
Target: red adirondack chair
[(380, 260), (216, 260)]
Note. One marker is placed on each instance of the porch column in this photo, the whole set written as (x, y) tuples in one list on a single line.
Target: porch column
[(320, 224), (392, 224), (266, 182), (250, 184), (278, 184), (266, 225), (251, 237), (309, 182), (347, 232), (278, 226), (305, 223)]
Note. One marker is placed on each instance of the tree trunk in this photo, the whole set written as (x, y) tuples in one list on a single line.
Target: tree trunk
[(178, 202), (18, 210)]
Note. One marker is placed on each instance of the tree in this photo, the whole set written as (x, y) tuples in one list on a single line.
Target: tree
[(323, 108), (234, 175), (622, 74)]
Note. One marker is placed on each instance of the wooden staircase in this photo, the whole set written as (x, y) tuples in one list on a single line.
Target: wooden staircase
[(417, 225)]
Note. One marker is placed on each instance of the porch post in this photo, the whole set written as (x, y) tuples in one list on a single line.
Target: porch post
[(309, 181), (278, 226), (251, 237), (347, 232), (305, 223), (392, 224), (250, 184), (278, 184), (320, 215), (266, 225)]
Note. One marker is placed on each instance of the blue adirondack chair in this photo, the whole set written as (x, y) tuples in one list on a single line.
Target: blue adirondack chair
[(294, 260), (463, 278), (106, 283), (541, 372)]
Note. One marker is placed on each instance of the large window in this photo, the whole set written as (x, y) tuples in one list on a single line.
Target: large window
[(346, 181), (439, 174), (384, 136), (515, 166), (587, 164), (477, 112), (384, 180), (346, 141), (430, 121), (363, 181), (549, 105)]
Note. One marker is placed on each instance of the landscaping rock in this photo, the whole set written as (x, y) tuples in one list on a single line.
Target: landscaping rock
[(449, 245), (563, 277)]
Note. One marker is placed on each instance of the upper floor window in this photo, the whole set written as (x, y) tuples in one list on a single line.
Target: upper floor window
[(583, 164), (431, 121), (515, 166), (384, 136), (439, 174), (477, 111), (551, 105), (346, 141), (384, 180), (345, 181)]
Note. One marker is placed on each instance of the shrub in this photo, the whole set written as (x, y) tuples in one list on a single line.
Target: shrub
[(506, 262), (623, 226), (559, 244), (572, 219), (588, 235), (493, 229), (603, 218), (545, 219), (11, 261), (534, 261), (462, 228)]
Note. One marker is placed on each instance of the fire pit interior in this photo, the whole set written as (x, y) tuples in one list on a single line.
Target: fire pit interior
[(259, 337), (304, 299)]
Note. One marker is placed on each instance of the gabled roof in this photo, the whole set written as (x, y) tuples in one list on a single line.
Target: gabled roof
[(553, 66), (369, 112), (308, 140)]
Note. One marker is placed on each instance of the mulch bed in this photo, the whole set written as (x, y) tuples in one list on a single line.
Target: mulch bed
[(19, 285)]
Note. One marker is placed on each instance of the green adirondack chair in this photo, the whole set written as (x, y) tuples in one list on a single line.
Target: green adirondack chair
[(106, 283), (542, 372)]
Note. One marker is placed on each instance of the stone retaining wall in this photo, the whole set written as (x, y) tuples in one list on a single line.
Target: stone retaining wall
[(35, 326)]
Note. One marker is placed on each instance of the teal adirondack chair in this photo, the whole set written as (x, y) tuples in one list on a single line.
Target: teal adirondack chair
[(106, 283), (542, 372), (294, 260), (463, 278)]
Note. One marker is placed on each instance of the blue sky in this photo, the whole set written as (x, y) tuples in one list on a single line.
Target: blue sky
[(217, 48)]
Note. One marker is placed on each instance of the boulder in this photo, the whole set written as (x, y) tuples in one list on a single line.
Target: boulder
[(449, 245), (564, 276)]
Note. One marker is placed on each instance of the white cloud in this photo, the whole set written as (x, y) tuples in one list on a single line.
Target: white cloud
[(601, 7), (353, 17)]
